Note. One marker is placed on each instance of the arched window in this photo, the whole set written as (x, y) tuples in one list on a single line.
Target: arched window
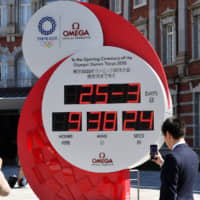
[(3, 70), (24, 75), (25, 12), (3, 16)]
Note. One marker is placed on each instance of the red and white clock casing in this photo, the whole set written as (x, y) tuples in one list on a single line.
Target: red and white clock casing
[(49, 172), (117, 113)]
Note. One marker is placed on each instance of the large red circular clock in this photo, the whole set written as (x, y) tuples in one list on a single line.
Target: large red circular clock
[(93, 114)]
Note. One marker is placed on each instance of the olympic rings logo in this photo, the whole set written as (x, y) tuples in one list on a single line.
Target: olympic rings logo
[(41, 23)]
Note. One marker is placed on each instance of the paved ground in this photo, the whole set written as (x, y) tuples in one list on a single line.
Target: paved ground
[(149, 187), (150, 184)]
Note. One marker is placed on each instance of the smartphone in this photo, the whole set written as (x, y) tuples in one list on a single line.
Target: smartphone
[(153, 150)]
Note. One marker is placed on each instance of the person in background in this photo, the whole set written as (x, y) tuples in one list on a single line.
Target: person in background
[(4, 186), (22, 182), (180, 167), (20, 179)]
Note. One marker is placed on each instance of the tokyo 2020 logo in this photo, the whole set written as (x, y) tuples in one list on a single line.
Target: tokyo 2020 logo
[(47, 25)]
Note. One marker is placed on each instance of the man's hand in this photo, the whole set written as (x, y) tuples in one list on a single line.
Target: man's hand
[(158, 159)]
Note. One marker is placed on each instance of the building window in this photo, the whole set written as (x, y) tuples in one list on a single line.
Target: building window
[(170, 44), (139, 3), (197, 119), (3, 71), (118, 6), (25, 11), (174, 101), (168, 34), (3, 17), (141, 25), (196, 31), (3, 13), (196, 36), (24, 75)]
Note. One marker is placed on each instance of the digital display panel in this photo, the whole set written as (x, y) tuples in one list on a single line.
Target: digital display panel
[(102, 121), (67, 121), (138, 120), (102, 93)]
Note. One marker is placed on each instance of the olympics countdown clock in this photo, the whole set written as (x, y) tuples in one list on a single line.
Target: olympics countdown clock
[(97, 110), (102, 108)]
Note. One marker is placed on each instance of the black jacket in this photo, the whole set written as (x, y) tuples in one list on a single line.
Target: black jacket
[(178, 174)]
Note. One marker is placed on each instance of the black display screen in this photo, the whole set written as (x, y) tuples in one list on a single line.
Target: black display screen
[(103, 121), (102, 93), (67, 121), (138, 120)]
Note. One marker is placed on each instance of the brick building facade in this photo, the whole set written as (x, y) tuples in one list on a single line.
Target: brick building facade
[(172, 28)]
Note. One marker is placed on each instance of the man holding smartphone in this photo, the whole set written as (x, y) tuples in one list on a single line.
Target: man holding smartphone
[(180, 167)]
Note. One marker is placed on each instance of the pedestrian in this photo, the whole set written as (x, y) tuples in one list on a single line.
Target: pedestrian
[(180, 167), (22, 182), (4, 187), (20, 179)]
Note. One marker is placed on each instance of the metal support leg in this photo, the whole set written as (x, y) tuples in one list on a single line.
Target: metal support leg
[(138, 182)]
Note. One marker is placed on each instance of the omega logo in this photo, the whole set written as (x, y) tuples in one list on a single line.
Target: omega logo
[(102, 159), (102, 155), (76, 31), (75, 25)]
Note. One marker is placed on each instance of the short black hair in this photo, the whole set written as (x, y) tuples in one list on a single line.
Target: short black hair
[(175, 126)]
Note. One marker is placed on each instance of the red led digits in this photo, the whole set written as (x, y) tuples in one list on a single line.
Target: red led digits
[(148, 120), (86, 94), (132, 119), (104, 94), (138, 120), (117, 93), (95, 123), (110, 121), (67, 121), (74, 122), (102, 121), (107, 94), (135, 92)]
